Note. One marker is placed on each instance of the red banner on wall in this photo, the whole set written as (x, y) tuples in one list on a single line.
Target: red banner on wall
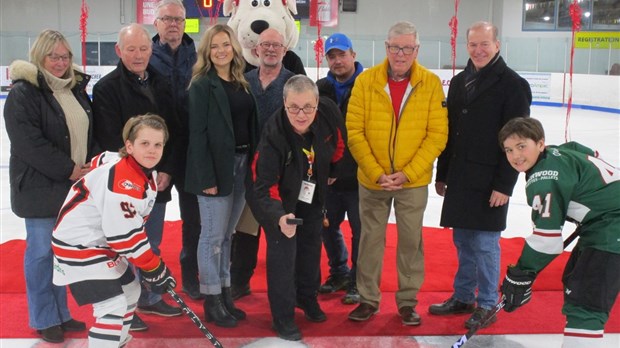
[(325, 12), (145, 11)]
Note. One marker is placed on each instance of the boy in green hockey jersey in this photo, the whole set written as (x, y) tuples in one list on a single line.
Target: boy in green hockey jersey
[(567, 182)]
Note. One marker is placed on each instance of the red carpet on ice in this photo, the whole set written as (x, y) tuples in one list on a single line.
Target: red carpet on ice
[(542, 315)]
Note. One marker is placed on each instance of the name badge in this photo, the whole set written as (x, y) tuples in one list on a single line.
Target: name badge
[(307, 191)]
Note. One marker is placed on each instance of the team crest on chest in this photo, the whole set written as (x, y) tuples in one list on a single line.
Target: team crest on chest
[(128, 185)]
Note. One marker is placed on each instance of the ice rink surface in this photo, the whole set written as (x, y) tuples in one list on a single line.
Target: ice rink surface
[(598, 130)]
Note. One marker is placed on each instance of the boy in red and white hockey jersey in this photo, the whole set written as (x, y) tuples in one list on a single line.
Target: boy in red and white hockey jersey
[(100, 230)]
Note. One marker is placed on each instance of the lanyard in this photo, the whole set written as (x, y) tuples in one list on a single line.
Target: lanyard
[(310, 155)]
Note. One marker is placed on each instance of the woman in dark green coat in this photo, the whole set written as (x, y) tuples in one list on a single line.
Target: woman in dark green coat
[(223, 133)]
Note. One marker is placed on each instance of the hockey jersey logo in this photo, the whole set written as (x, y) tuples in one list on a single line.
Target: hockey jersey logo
[(128, 185), (127, 178)]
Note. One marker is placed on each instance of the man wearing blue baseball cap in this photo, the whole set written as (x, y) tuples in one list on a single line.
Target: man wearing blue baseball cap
[(342, 196)]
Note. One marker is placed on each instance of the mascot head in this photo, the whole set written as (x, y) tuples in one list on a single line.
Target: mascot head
[(249, 18)]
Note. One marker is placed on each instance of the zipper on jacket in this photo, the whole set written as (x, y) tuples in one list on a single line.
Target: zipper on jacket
[(392, 147)]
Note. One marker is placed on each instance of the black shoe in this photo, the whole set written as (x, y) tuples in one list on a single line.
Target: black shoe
[(312, 311), (230, 305), (73, 325), (451, 306), (239, 291), (161, 308), (335, 283), (352, 296), (193, 291), (52, 334), (481, 318), (137, 324), (287, 330), (216, 311)]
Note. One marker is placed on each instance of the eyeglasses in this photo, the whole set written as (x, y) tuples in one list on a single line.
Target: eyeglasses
[(55, 58), (170, 19), (407, 50), (295, 109), (275, 45)]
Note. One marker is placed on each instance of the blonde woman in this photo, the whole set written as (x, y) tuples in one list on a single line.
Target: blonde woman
[(223, 134), (49, 123)]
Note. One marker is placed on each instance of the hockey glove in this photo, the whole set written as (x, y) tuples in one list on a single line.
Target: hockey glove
[(159, 279), (517, 288)]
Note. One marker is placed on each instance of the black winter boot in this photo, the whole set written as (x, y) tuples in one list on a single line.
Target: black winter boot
[(230, 305), (215, 311)]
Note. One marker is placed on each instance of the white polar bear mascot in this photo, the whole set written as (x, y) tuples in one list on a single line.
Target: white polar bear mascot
[(249, 18)]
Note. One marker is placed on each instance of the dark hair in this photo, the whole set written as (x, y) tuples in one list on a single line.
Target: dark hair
[(134, 124), (522, 127)]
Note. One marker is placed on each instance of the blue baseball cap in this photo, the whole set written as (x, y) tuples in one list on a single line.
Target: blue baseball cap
[(338, 41)]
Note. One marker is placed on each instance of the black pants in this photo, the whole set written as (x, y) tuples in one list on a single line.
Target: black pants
[(293, 268), (190, 214), (244, 256)]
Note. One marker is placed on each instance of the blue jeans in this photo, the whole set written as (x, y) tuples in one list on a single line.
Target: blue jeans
[(218, 219), (154, 231), (337, 204), (47, 303), (479, 266)]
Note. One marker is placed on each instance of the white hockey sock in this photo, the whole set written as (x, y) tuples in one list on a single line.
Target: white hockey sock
[(113, 318), (579, 338)]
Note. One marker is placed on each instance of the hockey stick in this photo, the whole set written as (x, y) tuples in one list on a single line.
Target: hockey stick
[(193, 317), (498, 307)]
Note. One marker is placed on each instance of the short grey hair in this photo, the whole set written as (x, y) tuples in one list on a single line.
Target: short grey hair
[(133, 26), (483, 25), (404, 28), (163, 3), (300, 84)]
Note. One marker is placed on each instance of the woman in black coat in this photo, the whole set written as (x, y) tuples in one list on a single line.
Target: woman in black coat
[(222, 134), (49, 123)]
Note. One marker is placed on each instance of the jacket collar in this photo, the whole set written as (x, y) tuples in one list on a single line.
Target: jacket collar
[(135, 79), (186, 42), (415, 73), (23, 70), (487, 76)]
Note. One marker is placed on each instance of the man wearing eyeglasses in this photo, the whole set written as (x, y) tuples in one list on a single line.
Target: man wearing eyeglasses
[(174, 55), (397, 126), (266, 83), (296, 158), (473, 174)]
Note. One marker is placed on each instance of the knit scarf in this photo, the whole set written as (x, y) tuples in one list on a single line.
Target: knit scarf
[(75, 116)]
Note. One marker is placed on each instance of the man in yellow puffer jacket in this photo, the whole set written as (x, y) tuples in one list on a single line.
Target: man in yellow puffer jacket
[(397, 126)]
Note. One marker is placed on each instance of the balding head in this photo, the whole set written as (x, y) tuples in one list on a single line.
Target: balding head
[(270, 48), (134, 48)]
